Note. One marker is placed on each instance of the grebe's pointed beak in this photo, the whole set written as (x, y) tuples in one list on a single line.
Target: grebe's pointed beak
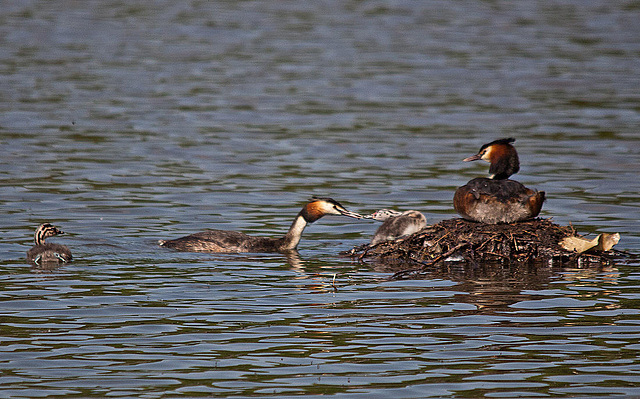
[(350, 214), (472, 158)]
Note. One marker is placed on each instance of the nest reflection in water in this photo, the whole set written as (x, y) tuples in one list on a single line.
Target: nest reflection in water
[(532, 242)]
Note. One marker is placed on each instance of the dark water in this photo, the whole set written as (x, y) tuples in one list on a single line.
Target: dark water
[(127, 122)]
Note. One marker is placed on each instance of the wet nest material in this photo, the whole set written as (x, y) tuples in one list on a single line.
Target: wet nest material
[(459, 240)]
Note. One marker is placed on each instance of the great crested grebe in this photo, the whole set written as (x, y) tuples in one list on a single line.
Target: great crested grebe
[(46, 252), (396, 224), (222, 241), (497, 199)]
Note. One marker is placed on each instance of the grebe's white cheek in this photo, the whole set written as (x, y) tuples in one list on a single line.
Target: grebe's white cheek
[(328, 209), (487, 154)]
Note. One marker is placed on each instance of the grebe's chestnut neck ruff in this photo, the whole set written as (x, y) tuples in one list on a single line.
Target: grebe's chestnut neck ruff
[(396, 224), (497, 199), (44, 252), (222, 241)]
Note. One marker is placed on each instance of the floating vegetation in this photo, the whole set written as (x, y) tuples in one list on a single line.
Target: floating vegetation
[(536, 241)]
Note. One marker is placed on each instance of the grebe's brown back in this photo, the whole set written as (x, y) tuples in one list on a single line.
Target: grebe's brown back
[(48, 252), (497, 199), (396, 224), (222, 241)]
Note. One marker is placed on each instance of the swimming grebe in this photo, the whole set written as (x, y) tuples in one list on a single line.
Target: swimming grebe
[(497, 199), (396, 224), (222, 241), (46, 252)]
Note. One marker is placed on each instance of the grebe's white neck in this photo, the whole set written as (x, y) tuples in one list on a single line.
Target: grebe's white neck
[(292, 238)]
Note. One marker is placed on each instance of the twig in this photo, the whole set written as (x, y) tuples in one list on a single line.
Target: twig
[(444, 255), (404, 273)]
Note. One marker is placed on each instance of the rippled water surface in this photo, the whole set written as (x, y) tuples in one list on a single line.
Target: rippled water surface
[(128, 122)]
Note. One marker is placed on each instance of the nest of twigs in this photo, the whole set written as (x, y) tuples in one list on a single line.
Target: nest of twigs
[(458, 240)]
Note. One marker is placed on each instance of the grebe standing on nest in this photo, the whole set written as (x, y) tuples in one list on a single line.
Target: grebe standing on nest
[(396, 224), (497, 199), (46, 252), (222, 241)]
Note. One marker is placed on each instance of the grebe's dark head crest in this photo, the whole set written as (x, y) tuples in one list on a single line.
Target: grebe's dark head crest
[(502, 156), (317, 207), (46, 230)]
